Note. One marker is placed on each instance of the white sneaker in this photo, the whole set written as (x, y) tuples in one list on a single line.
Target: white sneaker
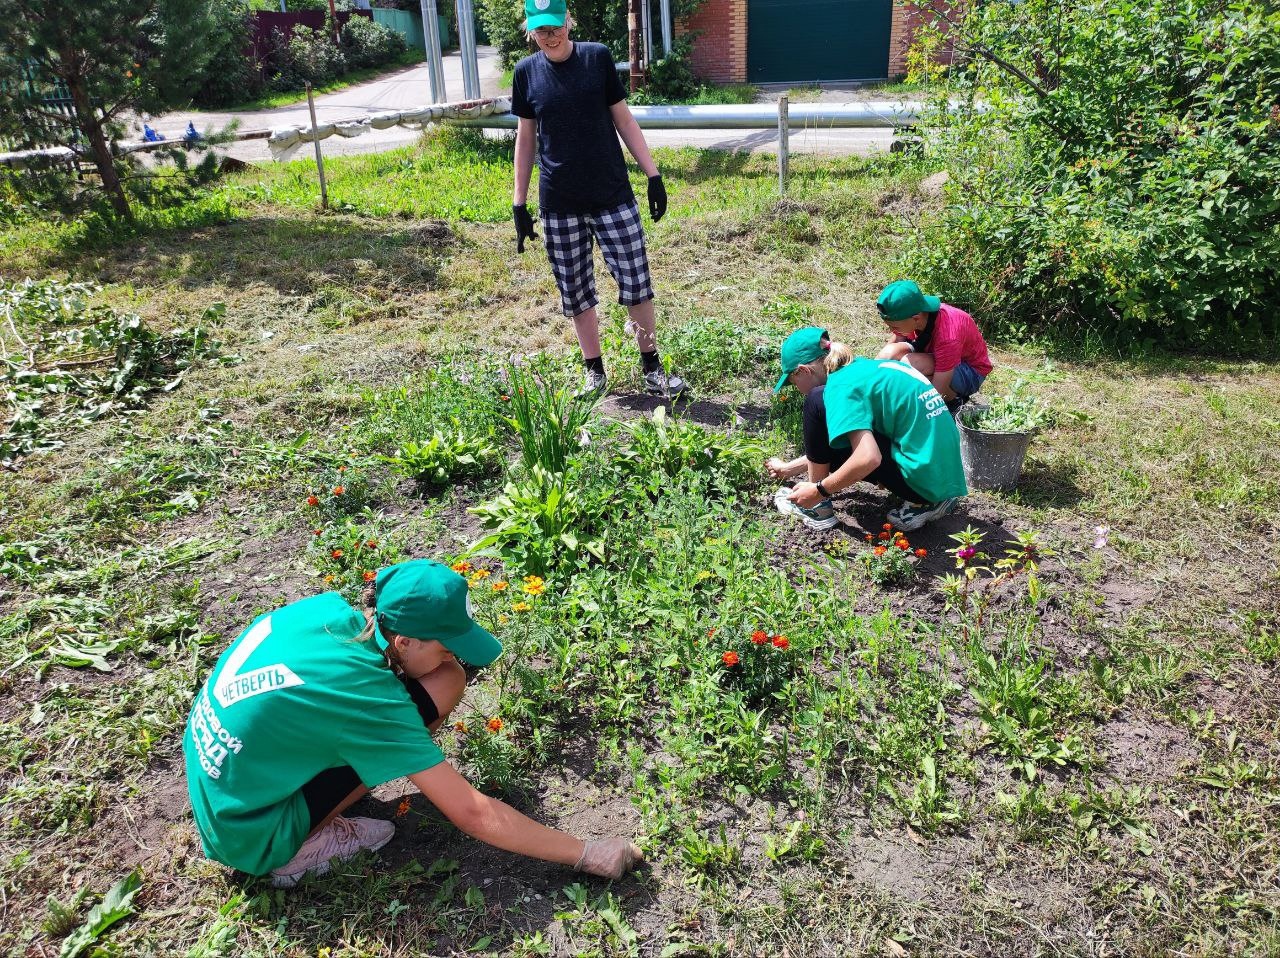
[(342, 838), (657, 382), (820, 517)]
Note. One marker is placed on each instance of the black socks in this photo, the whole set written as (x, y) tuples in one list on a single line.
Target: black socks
[(650, 361), (595, 365)]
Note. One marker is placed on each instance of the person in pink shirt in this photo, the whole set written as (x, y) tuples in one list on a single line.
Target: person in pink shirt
[(938, 340)]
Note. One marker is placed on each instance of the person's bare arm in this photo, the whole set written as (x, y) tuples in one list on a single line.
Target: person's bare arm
[(862, 461), (526, 138), (784, 469), (633, 137)]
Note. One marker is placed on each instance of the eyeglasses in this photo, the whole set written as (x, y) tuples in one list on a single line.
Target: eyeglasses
[(545, 32)]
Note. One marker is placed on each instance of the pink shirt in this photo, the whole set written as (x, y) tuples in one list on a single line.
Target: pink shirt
[(955, 340)]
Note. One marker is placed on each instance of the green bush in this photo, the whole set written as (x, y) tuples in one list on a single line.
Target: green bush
[(504, 22), (1123, 183), (309, 56), (231, 76), (368, 44)]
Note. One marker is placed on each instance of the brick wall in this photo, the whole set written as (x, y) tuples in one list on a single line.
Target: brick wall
[(720, 48), (906, 20)]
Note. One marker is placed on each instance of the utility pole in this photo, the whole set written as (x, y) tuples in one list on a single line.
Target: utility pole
[(634, 48)]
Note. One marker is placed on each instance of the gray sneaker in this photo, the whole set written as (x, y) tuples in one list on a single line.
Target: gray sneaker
[(822, 516), (660, 383), (912, 515), (593, 384), (342, 838)]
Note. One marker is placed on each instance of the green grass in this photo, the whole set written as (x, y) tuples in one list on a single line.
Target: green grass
[(1076, 754), (269, 101)]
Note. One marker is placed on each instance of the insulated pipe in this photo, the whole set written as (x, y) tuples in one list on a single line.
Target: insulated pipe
[(755, 116), (431, 44), (467, 44)]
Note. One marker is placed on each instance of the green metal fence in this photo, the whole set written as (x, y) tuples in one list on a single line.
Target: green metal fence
[(409, 25)]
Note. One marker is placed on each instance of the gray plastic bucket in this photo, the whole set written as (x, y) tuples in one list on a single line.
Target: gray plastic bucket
[(992, 460)]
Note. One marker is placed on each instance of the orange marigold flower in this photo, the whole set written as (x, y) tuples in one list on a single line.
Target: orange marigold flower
[(730, 659), (533, 588), (499, 586), (711, 633), (329, 578), (888, 526), (480, 573), (313, 500), (371, 544), (494, 724), (403, 808), (462, 568), (868, 537), (881, 550), (781, 642), (336, 553), (459, 726), (903, 544), (506, 398), (342, 468), (369, 575), (759, 637), (921, 553), (884, 537), (316, 532), (339, 490)]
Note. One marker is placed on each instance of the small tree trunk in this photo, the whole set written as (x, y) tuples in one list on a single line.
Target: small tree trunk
[(89, 124)]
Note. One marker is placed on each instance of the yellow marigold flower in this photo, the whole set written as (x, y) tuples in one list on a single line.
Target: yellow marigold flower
[(499, 586), (521, 607)]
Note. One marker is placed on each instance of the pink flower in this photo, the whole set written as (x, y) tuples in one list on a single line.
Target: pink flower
[(967, 553)]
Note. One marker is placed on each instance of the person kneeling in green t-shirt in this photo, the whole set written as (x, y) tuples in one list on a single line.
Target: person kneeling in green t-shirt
[(866, 419), (315, 703)]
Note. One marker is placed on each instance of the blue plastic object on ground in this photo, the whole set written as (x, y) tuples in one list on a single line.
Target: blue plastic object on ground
[(192, 135), (151, 136)]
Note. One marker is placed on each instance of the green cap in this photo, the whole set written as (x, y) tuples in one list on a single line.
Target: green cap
[(426, 600), (544, 13), (903, 299), (802, 346)]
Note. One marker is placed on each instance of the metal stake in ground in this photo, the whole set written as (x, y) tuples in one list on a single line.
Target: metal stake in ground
[(324, 189), (784, 142)]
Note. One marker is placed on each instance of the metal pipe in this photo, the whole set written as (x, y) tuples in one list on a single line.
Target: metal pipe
[(646, 21), (633, 43), (755, 116), (431, 45), (664, 12), (467, 44), (784, 142)]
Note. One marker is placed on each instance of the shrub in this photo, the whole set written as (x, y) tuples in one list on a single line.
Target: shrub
[(1122, 181), (504, 22), (231, 76), (309, 56), (1015, 411), (368, 44)]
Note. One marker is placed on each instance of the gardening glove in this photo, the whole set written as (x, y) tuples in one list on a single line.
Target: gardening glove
[(609, 857), (657, 197), (524, 226)]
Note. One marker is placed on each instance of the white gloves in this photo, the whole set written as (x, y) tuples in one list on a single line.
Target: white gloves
[(609, 857)]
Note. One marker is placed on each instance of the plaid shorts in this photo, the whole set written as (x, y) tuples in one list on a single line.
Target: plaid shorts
[(569, 238)]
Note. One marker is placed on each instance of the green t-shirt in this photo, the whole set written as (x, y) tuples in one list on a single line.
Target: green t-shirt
[(893, 399), (293, 696)]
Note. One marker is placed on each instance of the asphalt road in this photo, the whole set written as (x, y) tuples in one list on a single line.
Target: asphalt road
[(408, 87)]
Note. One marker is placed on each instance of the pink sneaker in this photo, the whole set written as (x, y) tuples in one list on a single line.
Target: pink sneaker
[(342, 838)]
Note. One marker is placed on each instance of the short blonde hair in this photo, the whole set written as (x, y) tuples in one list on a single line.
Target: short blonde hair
[(568, 25)]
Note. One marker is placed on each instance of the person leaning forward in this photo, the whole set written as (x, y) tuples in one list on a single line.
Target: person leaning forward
[(571, 106), (316, 703), (866, 420)]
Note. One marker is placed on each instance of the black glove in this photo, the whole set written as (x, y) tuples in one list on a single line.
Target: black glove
[(524, 226), (657, 197)]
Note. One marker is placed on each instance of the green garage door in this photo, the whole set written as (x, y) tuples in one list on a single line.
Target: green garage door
[(801, 41)]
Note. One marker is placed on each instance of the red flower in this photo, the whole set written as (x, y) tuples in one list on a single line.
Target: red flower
[(506, 398), (711, 633), (868, 537), (730, 659), (371, 544), (887, 527), (337, 553), (339, 490), (780, 642), (759, 637), (494, 724), (316, 532), (313, 500), (403, 808), (369, 575), (903, 544), (342, 468), (462, 568), (884, 537), (459, 727), (921, 553), (881, 550)]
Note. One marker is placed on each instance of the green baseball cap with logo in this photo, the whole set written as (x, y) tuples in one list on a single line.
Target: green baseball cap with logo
[(903, 299), (426, 600), (544, 13), (802, 346)]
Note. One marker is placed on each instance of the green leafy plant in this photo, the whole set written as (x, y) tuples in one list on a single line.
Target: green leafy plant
[(539, 522), (115, 906), (444, 457), (889, 558), (548, 417), (757, 663), (668, 445), (489, 754), (1017, 410)]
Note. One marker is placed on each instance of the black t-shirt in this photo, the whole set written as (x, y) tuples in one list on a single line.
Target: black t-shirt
[(580, 164)]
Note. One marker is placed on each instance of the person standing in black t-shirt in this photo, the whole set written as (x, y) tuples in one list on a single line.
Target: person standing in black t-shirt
[(572, 108)]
